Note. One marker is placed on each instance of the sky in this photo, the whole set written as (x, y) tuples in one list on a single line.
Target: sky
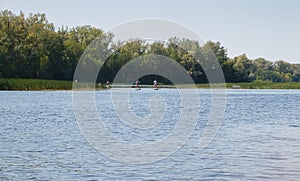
[(259, 28)]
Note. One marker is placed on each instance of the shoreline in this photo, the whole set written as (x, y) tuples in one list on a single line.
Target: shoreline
[(53, 85)]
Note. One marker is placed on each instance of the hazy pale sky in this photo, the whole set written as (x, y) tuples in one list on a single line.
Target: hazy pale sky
[(259, 28)]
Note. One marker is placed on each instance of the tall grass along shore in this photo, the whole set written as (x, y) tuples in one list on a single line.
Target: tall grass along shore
[(38, 84), (34, 84)]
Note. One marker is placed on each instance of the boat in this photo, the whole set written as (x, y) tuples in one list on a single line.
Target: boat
[(236, 87)]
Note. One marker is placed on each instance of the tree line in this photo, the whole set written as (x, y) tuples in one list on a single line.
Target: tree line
[(31, 47)]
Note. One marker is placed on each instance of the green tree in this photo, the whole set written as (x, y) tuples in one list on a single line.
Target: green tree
[(219, 51), (242, 68)]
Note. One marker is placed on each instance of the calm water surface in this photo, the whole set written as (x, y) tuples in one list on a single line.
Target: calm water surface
[(259, 138)]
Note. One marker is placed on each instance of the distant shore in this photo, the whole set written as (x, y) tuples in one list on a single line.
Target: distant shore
[(34, 84), (264, 85), (38, 84)]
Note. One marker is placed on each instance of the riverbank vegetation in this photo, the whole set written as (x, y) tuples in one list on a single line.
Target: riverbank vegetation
[(34, 84), (264, 85), (33, 48), (38, 84)]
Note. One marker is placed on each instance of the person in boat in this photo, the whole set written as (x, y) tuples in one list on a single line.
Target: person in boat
[(155, 84), (107, 84), (137, 84)]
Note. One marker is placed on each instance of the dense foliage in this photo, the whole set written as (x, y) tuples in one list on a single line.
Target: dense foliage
[(34, 84), (31, 47)]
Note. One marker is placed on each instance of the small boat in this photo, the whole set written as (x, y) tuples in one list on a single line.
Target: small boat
[(236, 87)]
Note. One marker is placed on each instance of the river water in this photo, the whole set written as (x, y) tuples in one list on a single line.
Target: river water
[(259, 138)]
